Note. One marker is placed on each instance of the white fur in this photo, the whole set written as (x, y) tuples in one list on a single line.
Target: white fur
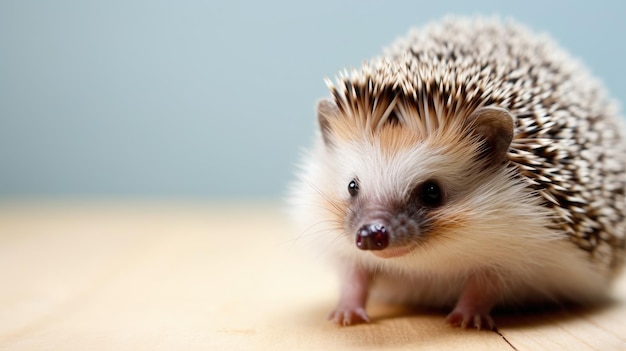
[(507, 231)]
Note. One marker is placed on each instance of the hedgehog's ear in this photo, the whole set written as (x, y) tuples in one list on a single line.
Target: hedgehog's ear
[(494, 126), (326, 110)]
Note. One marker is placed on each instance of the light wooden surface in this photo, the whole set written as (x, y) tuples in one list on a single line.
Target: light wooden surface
[(193, 276)]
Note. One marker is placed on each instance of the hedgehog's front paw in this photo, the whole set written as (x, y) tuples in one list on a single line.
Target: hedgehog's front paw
[(470, 318), (348, 315), (477, 299)]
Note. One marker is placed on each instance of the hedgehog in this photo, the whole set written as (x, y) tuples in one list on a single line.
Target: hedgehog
[(474, 164)]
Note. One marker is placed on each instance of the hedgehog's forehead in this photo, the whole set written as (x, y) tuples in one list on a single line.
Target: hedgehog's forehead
[(391, 175), (401, 126), (389, 138), (384, 174)]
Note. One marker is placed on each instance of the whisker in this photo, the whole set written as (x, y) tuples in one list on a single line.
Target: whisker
[(341, 209), (308, 232)]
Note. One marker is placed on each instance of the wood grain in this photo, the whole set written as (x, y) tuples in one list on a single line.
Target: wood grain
[(123, 275)]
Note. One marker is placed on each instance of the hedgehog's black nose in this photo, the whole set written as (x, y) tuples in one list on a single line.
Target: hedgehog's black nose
[(372, 237)]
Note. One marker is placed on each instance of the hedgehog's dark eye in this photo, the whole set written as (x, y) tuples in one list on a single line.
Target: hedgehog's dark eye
[(353, 187), (431, 194)]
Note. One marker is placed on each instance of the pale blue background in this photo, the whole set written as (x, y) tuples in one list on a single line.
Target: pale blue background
[(210, 99)]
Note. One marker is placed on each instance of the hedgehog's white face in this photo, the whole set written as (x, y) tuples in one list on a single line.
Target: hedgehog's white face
[(392, 190), (396, 200)]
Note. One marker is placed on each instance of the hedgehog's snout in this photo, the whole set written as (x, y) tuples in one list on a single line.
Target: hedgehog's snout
[(372, 236)]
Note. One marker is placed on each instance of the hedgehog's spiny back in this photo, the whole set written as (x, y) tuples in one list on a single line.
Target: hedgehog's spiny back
[(567, 145)]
